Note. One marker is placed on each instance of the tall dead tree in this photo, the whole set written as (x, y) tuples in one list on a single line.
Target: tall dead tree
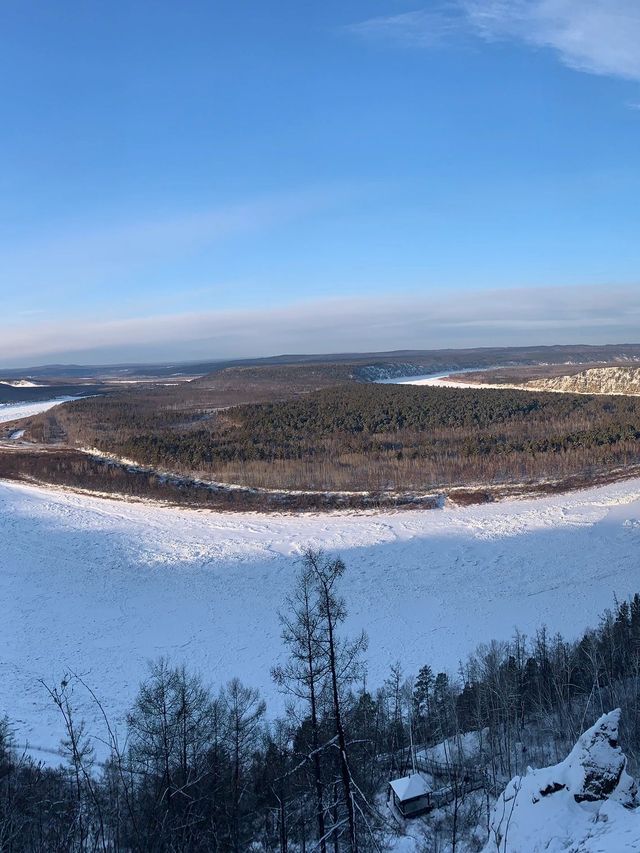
[(342, 661), (305, 673)]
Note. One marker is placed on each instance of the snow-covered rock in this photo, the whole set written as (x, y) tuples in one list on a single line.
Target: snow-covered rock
[(587, 803)]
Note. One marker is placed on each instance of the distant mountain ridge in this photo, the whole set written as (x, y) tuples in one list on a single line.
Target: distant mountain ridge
[(378, 364)]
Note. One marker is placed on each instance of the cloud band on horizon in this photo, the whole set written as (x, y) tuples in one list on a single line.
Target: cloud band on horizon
[(549, 315)]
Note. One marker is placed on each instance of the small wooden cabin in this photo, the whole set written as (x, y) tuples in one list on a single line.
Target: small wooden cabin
[(411, 795)]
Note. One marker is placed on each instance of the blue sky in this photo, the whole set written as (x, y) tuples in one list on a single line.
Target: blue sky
[(211, 179)]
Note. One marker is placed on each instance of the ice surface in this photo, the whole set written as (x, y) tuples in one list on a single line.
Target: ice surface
[(13, 411), (100, 586)]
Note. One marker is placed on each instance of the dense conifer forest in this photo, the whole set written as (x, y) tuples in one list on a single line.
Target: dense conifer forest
[(363, 436)]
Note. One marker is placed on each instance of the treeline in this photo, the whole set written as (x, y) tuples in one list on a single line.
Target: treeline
[(354, 436), (384, 437), (205, 770), (78, 470)]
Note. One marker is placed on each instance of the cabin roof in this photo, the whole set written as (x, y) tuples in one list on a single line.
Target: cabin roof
[(410, 787)]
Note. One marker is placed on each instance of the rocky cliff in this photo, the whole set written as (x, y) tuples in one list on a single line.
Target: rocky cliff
[(587, 803), (597, 380)]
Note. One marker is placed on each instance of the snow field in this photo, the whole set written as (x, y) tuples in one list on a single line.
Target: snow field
[(13, 411), (99, 587)]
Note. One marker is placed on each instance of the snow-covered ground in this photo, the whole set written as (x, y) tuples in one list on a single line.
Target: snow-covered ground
[(100, 586), (585, 804), (438, 379), (445, 381), (23, 383), (13, 411), (448, 380)]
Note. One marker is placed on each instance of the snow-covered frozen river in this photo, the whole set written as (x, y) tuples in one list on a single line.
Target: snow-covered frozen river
[(13, 411), (448, 379), (99, 587)]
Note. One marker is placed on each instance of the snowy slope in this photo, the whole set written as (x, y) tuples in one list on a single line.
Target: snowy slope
[(100, 586), (23, 383), (585, 804)]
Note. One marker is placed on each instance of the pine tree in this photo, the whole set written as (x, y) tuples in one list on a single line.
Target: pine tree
[(422, 691)]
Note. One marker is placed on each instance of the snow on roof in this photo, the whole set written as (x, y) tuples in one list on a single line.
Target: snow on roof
[(409, 787)]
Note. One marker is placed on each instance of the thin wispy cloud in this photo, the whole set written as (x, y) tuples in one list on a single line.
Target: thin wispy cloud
[(597, 36), (594, 36), (476, 318), (418, 28)]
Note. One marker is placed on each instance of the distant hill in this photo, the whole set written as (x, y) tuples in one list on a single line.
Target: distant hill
[(369, 365)]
